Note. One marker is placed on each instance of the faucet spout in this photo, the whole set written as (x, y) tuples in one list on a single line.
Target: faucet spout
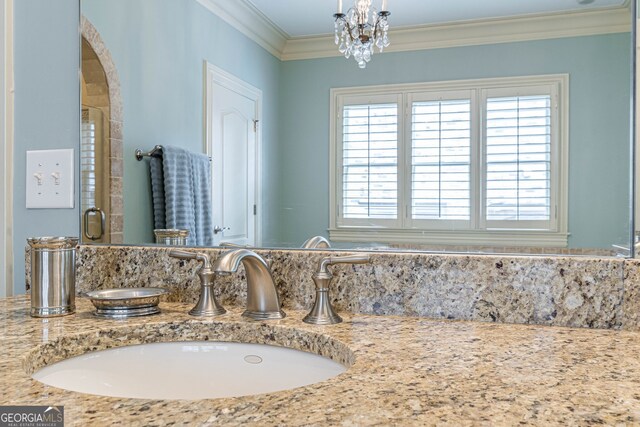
[(263, 301)]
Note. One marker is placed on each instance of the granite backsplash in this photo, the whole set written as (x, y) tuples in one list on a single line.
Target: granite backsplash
[(545, 290)]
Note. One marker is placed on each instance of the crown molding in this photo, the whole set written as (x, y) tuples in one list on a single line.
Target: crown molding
[(244, 17), (247, 19), (490, 31)]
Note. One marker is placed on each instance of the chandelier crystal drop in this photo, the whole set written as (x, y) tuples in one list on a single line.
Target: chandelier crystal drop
[(360, 29)]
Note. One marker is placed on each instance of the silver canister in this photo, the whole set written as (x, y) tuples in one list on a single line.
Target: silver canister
[(53, 276), (171, 236)]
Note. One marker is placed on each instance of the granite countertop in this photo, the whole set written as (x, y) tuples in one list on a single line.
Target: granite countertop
[(405, 370)]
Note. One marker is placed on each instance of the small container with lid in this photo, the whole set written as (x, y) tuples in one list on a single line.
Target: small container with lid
[(171, 236), (53, 276)]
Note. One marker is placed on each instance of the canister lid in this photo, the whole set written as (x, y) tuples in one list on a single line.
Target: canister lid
[(170, 232), (53, 242)]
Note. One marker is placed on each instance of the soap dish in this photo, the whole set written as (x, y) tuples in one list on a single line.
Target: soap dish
[(121, 303)]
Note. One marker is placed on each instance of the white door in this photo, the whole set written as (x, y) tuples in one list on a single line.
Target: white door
[(233, 145)]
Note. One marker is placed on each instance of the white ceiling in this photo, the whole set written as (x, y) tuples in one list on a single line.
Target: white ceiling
[(299, 18)]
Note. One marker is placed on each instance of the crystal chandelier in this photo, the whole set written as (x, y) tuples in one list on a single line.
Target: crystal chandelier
[(358, 31)]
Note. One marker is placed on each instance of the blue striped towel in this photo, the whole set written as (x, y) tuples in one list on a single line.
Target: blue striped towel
[(186, 192)]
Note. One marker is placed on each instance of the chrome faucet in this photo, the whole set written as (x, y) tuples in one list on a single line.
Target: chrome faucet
[(262, 298), (322, 312), (316, 242), (207, 304)]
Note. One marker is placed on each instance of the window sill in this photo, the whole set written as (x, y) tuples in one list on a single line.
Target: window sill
[(548, 239)]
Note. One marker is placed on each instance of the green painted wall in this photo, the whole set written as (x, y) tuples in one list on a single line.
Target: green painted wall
[(47, 93)]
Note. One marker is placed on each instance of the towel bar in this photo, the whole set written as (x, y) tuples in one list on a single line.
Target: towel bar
[(141, 154), (152, 153)]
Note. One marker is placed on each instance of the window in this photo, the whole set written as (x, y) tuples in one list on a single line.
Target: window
[(370, 161), (518, 159), (471, 162)]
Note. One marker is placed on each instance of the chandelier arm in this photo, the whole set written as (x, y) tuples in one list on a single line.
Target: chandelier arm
[(350, 30), (376, 29), (342, 17), (382, 16)]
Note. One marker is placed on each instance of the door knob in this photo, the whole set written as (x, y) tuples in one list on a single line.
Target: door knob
[(217, 229)]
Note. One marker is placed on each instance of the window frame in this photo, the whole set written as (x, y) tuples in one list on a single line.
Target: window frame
[(447, 232)]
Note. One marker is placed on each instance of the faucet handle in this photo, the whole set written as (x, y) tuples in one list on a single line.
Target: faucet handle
[(347, 259), (207, 304), (182, 254), (204, 258), (322, 312)]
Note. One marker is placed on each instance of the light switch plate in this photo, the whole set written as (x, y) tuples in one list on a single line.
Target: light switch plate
[(50, 179)]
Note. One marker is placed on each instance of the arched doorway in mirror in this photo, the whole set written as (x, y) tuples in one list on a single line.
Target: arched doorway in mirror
[(101, 143)]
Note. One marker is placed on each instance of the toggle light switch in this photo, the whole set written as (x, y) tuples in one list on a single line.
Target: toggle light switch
[(38, 177), (50, 179)]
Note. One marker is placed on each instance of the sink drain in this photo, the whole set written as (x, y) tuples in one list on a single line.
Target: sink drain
[(253, 359)]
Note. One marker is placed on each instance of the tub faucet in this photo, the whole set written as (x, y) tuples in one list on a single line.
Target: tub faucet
[(207, 304), (316, 242), (322, 312), (262, 298)]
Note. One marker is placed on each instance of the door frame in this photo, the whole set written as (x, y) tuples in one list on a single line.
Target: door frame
[(214, 75), (6, 149)]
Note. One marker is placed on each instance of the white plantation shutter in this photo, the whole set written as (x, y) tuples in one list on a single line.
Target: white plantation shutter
[(481, 162), (441, 159), (88, 161), (518, 146), (370, 161)]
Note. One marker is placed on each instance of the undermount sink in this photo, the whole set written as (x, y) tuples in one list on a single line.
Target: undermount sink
[(189, 370)]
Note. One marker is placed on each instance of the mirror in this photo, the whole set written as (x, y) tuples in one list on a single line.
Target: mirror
[(155, 72)]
